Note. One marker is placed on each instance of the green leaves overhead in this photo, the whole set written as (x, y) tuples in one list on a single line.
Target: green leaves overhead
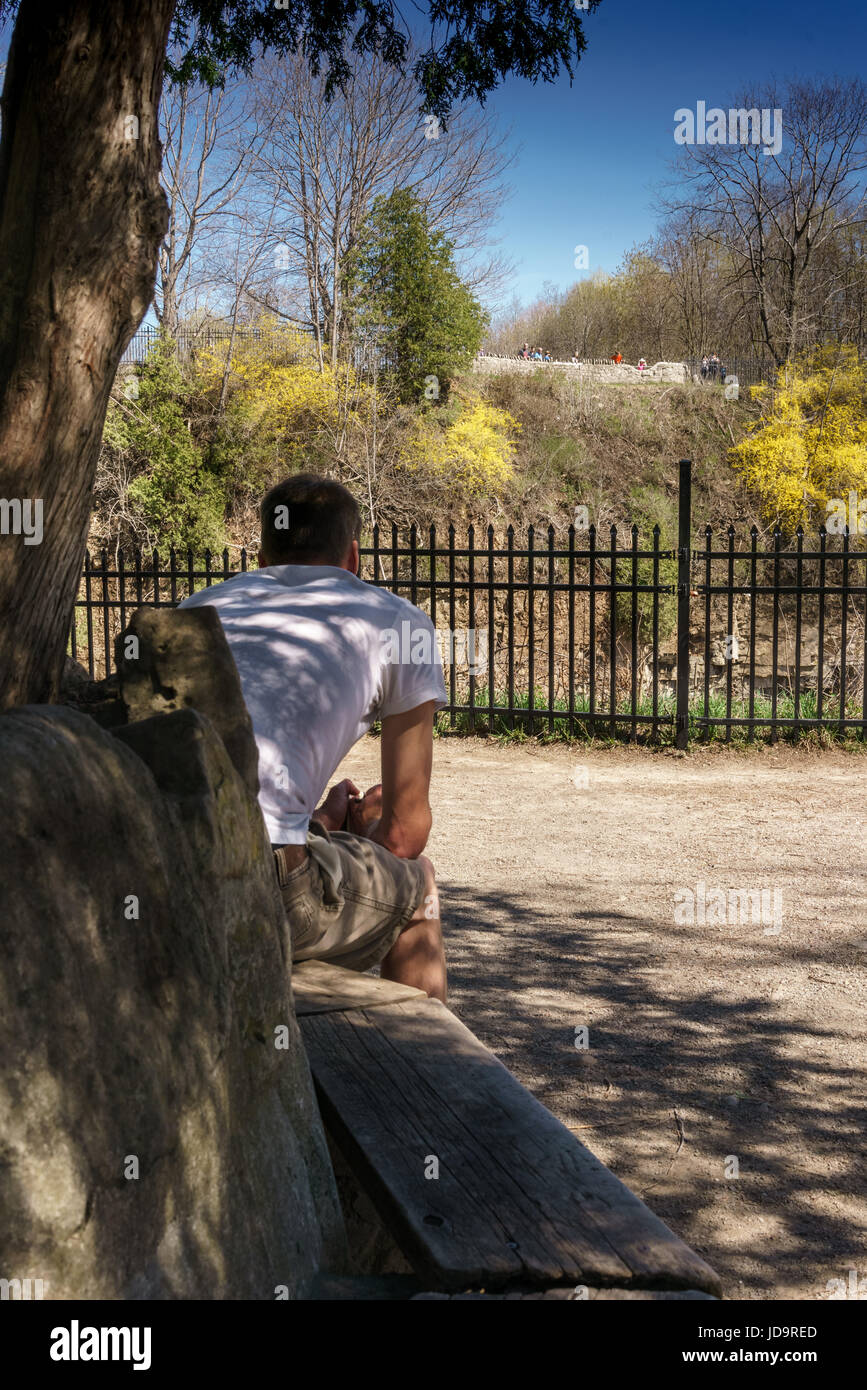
[(472, 45)]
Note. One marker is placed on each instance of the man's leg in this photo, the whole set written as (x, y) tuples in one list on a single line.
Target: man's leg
[(418, 956)]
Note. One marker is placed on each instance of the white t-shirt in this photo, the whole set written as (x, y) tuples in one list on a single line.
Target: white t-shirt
[(321, 655)]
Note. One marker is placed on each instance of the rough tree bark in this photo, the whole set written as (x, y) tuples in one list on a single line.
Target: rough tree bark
[(82, 215)]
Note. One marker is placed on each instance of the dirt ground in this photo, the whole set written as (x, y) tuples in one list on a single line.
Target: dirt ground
[(724, 1080)]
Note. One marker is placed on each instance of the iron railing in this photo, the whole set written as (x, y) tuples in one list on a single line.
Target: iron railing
[(605, 634), (188, 341), (750, 371)]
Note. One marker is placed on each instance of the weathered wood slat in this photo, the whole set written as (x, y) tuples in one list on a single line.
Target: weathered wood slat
[(323, 988), (518, 1199), (342, 1288), (569, 1296), (401, 1287)]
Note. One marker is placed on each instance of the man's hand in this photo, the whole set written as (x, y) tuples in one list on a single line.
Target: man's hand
[(332, 813), (364, 813)]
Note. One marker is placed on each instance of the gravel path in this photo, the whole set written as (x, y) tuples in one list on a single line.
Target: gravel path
[(560, 872)]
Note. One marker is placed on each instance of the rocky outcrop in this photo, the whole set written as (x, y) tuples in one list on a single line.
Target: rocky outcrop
[(159, 1136), (98, 698)]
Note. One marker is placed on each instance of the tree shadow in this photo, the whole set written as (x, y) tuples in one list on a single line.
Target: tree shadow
[(750, 1079)]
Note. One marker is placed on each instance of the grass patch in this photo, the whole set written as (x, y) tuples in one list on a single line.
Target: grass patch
[(520, 723)]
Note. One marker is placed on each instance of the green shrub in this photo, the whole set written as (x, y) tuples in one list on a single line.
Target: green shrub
[(174, 499)]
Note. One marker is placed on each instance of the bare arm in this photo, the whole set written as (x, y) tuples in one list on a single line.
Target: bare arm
[(407, 758)]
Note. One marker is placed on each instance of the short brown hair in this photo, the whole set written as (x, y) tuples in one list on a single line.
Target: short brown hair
[(308, 518)]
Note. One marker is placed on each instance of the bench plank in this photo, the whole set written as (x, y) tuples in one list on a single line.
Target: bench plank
[(342, 1288), (518, 1200), (561, 1295), (320, 987)]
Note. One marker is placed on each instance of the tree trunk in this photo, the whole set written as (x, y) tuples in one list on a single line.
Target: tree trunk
[(167, 313), (81, 219)]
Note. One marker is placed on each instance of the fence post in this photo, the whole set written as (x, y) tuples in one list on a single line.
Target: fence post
[(684, 553)]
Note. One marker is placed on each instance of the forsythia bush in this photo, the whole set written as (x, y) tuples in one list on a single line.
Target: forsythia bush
[(278, 397), (280, 343), (470, 446), (811, 448)]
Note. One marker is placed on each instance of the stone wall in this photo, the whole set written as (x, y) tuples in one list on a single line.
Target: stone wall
[(159, 1132), (606, 372)]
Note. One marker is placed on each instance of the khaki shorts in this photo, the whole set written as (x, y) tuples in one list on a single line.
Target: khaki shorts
[(349, 900)]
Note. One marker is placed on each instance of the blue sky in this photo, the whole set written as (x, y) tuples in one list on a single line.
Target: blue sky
[(590, 156)]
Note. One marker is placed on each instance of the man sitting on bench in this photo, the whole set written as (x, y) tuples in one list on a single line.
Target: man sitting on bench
[(321, 656)]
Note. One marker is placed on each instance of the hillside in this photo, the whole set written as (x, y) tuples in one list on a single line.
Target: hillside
[(183, 466), (615, 449)]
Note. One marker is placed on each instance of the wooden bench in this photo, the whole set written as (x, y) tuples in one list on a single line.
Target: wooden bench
[(520, 1208)]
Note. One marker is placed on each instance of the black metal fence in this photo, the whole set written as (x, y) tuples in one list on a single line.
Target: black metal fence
[(608, 635), (750, 371), (188, 341), (365, 354)]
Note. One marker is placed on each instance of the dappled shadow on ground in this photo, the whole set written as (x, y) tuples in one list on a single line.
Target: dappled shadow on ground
[(681, 1048)]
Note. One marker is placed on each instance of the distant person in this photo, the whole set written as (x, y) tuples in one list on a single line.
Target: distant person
[(547, 357), (537, 356), (642, 365), (617, 358), (714, 366), (705, 367)]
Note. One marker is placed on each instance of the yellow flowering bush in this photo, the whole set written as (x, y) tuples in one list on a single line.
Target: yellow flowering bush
[(276, 376), (280, 405), (811, 446), (473, 449)]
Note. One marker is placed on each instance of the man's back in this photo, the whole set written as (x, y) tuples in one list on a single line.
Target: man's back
[(321, 656)]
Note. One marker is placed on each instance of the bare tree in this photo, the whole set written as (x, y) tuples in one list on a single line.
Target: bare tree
[(772, 215), (325, 162), (210, 138), (238, 260), (690, 260)]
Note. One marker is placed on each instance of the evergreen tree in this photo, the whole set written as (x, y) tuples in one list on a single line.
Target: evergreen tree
[(406, 295)]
